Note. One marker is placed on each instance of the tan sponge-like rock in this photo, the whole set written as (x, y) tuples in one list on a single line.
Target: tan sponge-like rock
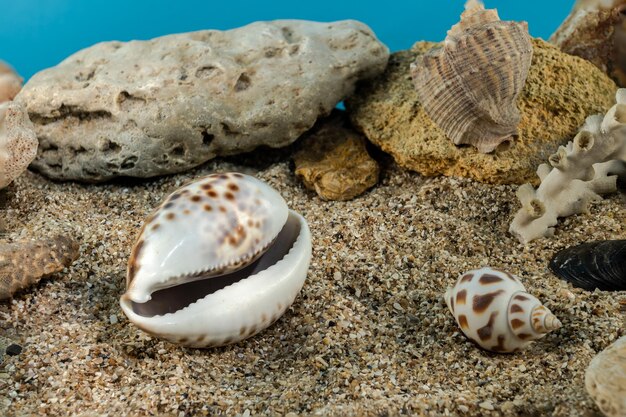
[(560, 92)]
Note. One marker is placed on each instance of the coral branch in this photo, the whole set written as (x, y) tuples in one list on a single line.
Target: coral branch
[(587, 167)]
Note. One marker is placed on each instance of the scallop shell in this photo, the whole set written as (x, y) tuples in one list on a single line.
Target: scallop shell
[(469, 86), (493, 310), (25, 263), (592, 265), (219, 260)]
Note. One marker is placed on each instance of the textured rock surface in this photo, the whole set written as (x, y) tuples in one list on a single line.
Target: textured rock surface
[(25, 263), (606, 379), (596, 31), (147, 108), (560, 91), (10, 83), (18, 143), (334, 162)]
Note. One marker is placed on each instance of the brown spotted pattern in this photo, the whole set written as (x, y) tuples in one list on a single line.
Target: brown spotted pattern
[(461, 297), (500, 347), (213, 225), (516, 323), (493, 310), (467, 277), (24, 263), (487, 279), (485, 332), (481, 302)]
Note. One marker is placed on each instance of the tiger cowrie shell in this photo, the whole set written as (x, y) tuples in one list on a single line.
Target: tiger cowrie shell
[(215, 260)]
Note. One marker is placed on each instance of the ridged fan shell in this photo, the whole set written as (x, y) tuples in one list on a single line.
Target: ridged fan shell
[(592, 265), (469, 86)]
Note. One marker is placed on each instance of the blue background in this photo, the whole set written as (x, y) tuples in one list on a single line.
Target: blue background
[(35, 34)]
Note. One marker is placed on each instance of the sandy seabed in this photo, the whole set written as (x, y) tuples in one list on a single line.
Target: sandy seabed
[(368, 335)]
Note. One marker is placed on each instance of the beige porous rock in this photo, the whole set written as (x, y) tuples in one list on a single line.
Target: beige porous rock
[(334, 162), (18, 142), (605, 379), (10, 83), (596, 31), (560, 91), (147, 108)]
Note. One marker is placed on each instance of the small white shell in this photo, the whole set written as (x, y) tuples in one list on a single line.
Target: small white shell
[(220, 259), (494, 310)]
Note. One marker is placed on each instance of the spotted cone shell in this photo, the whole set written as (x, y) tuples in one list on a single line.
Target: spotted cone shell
[(469, 86), (493, 309), (209, 227)]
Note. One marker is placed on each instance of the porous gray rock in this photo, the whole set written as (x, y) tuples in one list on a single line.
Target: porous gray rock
[(147, 108), (18, 143)]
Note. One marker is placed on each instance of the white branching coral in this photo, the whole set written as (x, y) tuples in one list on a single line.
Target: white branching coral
[(581, 171), (18, 142)]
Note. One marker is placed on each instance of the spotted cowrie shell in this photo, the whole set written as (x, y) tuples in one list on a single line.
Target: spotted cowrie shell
[(218, 261)]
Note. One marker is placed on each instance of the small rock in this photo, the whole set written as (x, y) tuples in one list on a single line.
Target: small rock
[(334, 162), (13, 350), (560, 92), (147, 108), (486, 405), (507, 407), (113, 319), (605, 379)]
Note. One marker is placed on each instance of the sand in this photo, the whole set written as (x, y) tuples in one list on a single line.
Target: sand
[(368, 335)]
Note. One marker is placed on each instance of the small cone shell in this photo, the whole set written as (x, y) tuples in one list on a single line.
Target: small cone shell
[(470, 85), (543, 320), (493, 309)]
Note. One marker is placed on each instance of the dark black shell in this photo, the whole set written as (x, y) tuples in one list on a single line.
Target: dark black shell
[(593, 265)]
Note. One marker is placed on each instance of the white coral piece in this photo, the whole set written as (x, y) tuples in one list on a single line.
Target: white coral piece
[(587, 167), (18, 142)]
